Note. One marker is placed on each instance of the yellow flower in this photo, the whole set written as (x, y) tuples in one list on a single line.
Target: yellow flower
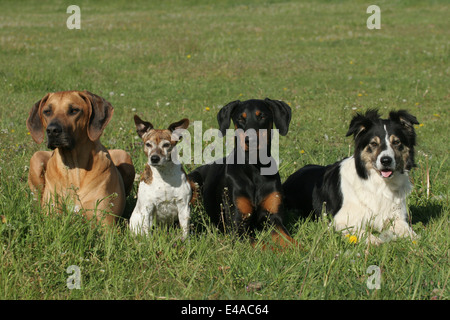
[(437, 115), (359, 94), (207, 109), (302, 151), (12, 130), (188, 56), (351, 61), (351, 238)]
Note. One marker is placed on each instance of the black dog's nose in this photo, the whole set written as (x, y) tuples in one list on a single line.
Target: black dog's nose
[(155, 159), (54, 129), (386, 161)]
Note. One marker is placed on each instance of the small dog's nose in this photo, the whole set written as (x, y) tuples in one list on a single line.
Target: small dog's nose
[(386, 161), (155, 159), (54, 129)]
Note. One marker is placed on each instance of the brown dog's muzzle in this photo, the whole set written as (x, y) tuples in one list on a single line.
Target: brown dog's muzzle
[(57, 137)]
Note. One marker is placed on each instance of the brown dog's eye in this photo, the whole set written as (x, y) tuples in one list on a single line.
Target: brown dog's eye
[(73, 111), (396, 142), (148, 144), (47, 112), (374, 144), (166, 145)]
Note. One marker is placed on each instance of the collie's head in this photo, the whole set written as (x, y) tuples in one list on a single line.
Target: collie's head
[(383, 145)]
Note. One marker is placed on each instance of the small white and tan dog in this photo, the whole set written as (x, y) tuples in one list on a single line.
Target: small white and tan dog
[(164, 191)]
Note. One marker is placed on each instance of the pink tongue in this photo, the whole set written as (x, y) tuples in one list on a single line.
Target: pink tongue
[(386, 174)]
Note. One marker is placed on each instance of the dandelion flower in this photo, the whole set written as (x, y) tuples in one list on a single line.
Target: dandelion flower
[(207, 109), (188, 56), (302, 151), (351, 238), (359, 94)]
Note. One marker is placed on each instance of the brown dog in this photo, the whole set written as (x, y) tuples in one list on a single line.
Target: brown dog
[(79, 169)]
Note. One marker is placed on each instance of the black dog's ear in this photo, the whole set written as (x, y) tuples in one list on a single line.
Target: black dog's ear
[(362, 122), (224, 116), (141, 125), (281, 115)]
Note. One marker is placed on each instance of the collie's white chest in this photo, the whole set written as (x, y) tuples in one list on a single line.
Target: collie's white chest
[(373, 202)]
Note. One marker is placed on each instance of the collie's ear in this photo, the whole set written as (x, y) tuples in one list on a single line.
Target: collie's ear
[(141, 125), (406, 119), (362, 122), (224, 116), (281, 115)]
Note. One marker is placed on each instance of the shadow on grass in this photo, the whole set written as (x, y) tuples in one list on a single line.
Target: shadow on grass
[(425, 213)]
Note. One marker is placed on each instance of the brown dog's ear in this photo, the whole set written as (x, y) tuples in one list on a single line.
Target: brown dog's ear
[(34, 122), (100, 114), (142, 126), (281, 114)]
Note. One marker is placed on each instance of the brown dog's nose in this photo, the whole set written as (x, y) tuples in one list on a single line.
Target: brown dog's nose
[(54, 129)]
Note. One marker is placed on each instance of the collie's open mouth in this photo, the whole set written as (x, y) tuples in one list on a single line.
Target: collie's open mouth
[(386, 173)]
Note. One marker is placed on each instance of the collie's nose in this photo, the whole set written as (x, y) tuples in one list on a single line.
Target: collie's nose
[(386, 161)]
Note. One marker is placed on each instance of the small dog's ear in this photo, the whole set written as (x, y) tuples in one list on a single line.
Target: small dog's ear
[(142, 126), (362, 122), (224, 116), (101, 112), (281, 115), (34, 121), (177, 128), (182, 124)]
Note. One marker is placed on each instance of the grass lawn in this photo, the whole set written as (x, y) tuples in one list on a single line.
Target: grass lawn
[(165, 60)]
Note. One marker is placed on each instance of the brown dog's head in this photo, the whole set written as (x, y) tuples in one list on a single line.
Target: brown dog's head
[(68, 117), (158, 144)]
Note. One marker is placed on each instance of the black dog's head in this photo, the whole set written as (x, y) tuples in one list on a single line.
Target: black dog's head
[(257, 115), (385, 145)]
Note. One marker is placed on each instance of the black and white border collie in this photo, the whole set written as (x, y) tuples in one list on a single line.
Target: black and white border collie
[(367, 191)]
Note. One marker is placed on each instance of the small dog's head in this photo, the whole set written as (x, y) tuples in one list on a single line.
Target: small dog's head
[(69, 118), (255, 115), (385, 145), (159, 143)]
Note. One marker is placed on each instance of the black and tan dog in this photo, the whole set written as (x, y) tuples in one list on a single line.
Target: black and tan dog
[(236, 195), (79, 168)]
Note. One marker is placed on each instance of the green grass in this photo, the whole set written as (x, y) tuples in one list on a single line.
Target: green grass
[(173, 59)]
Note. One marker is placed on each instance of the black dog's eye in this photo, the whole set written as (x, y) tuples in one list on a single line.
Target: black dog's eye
[(374, 144), (396, 142)]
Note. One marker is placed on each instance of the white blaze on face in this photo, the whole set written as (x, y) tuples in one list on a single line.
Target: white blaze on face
[(386, 170)]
